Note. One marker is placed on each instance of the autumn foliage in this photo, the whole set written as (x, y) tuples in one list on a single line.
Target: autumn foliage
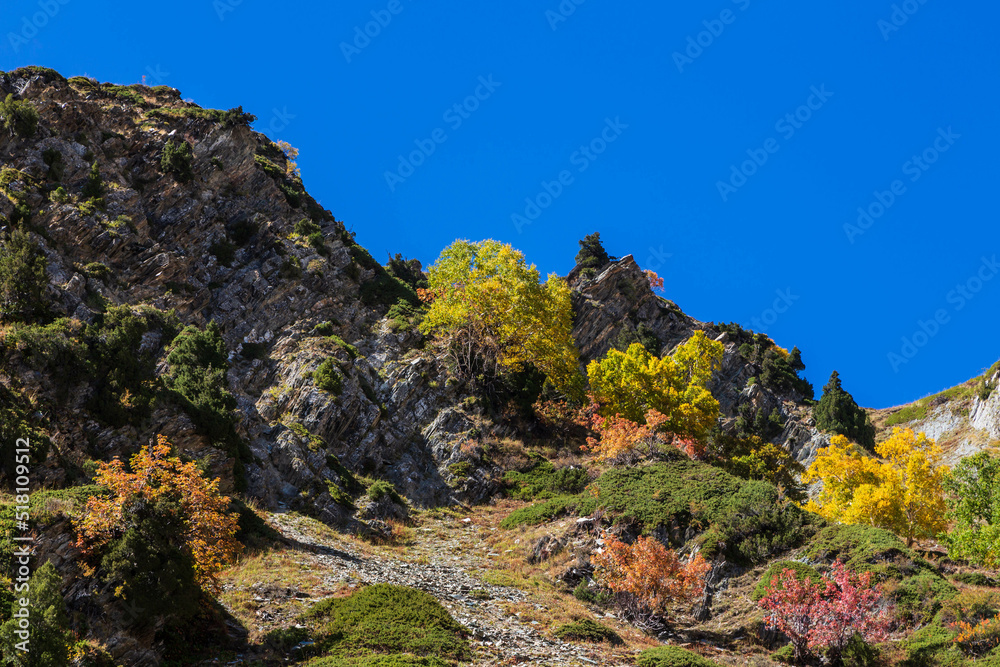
[(621, 440), (977, 638), (826, 614), (902, 492), (209, 534), (649, 572), (494, 316), (655, 281), (633, 382)]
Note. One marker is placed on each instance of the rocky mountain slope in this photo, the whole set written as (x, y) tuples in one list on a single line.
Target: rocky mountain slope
[(964, 419), (158, 219)]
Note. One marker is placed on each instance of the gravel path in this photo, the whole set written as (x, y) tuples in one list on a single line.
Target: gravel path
[(498, 638)]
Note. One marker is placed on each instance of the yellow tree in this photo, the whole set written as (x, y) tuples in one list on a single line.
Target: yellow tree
[(902, 492), (495, 316), (633, 382)]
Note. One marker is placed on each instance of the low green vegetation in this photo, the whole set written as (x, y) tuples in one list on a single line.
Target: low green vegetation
[(587, 630), (18, 118), (542, 480), (328, 378), (22, 278), (673, 656), (177, 159), (384, 623), (382, 489)]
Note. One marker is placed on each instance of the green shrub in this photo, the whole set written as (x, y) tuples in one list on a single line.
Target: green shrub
[(94, 187), (22, 278), (123, 94), (47, 74), (382, 488), (404, 315), (802, 572), (672, 656), (363, 258), (864, 549), (54, 159), (387, 619), (919, 597), (587, 630), (56, 347), (545, 481), (317, 241), (177, 159), (328, 378), (384, 290), (155, 574), (59, 195), (18, 117), (97, 270), (125, 371), (592, 254), (306, 227), (291, 268), (924, 647), (50, 635), (970, 606), (324, 329), (224, 251), (236, 117), (197, 363), (532, 515), (351, 351), (975, 579)]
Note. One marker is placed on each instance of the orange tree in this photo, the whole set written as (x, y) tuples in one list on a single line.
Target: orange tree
[(204, 531), (648, 572)]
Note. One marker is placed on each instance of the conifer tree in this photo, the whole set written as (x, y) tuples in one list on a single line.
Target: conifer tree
[(837, 412)]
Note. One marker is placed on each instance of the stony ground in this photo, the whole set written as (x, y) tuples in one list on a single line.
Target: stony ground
[(448, 556)]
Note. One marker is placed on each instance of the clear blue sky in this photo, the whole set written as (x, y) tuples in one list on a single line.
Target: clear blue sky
[(880, 95)]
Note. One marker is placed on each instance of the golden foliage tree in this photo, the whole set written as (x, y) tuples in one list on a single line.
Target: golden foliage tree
[(495, 316), (648, 571), (209, 530), (902, 492), (632, 383)]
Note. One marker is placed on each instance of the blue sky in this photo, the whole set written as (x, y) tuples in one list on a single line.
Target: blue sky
[(629, 119)]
